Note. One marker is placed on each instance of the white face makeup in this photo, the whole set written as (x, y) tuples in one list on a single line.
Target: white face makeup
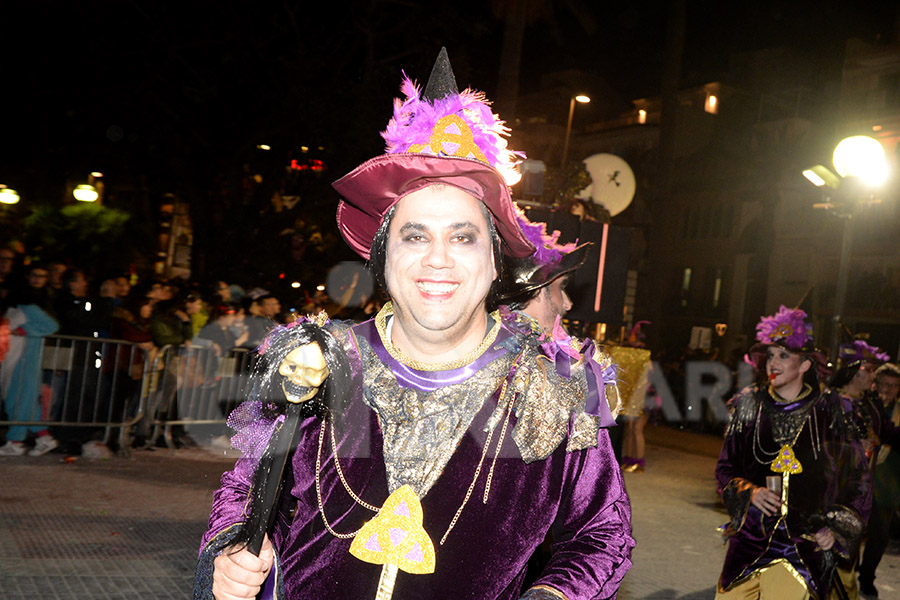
[(440, 264), (785, 370)]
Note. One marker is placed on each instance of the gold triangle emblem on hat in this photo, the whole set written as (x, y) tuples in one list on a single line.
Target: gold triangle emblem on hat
[(451, 137)]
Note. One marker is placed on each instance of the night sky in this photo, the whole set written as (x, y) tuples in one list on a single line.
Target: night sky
[(135, 85), (177, 95)]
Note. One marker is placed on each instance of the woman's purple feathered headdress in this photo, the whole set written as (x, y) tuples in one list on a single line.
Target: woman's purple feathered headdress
[(787, 327), (861, 351), (460, 124)]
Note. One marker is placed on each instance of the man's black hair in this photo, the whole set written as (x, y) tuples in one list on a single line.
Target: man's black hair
[(71, 275), (247, 302), (521, 300)]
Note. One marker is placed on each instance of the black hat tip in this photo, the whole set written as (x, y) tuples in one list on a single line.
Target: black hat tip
[(441, 82)]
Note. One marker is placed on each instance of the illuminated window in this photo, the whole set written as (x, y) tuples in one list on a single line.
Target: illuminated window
[(717, 288), (642, 116), (685, 286), (712, 104)]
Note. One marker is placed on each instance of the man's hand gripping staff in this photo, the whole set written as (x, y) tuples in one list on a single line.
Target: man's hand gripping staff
[(242, 569)]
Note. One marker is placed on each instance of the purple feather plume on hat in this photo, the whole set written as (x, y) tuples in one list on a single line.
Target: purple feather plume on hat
[(860, 350), (548, 250), (787, 327), (414, 121)]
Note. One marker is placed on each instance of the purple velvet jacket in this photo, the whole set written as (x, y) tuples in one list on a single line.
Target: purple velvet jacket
[(833, 490), (579, 496)]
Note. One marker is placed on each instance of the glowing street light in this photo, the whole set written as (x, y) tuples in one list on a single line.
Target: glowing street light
[(863, 157), (85, 193), (581, 98), (8, 196), (861, 168)]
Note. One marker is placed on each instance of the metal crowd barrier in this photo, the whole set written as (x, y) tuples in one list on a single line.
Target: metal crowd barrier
[(193, 390), (114, 385), (83, 382)]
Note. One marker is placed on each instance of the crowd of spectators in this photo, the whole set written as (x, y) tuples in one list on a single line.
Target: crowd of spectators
[(152, 313)]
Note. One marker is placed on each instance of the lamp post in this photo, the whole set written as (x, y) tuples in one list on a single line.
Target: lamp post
[(92, 191), (577, 98), (861, 170)]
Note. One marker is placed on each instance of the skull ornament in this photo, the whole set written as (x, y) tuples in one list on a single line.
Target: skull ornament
[(304, 369)]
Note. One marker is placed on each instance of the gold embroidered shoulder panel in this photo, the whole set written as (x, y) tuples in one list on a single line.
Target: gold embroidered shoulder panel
[(551, 408)]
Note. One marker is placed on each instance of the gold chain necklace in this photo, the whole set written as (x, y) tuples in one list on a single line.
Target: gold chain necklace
[(487, 488), (487, 443), (343, 536), (381, 326), (757, 441)]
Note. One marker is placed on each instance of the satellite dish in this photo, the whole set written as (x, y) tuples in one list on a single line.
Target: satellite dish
[(612, 182)]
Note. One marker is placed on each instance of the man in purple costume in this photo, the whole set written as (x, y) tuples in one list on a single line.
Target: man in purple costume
[(793, 479), (498, 429), (869, 424)]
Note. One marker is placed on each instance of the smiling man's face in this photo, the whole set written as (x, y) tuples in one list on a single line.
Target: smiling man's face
[(440, 263)]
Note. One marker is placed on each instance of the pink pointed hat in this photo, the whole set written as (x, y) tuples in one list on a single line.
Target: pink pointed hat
[(441, 136)]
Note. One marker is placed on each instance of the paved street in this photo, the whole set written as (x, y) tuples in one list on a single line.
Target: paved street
[(675, 515), (679, 552), (129, 528)]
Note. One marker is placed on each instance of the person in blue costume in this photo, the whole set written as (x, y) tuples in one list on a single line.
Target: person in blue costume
[(20, 374)]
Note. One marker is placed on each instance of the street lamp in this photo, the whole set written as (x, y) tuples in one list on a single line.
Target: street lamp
[(862, 168), (863, 157), (85, 193), (577, 98), (8, 195)]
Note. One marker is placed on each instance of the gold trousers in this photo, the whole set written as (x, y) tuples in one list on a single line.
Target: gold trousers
[(775, 583)]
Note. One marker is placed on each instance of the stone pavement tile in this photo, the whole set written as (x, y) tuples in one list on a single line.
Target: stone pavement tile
[(130, 528), (103, 530), (678, 551)]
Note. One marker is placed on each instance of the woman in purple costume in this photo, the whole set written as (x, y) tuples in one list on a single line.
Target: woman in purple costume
[(793, 480)]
